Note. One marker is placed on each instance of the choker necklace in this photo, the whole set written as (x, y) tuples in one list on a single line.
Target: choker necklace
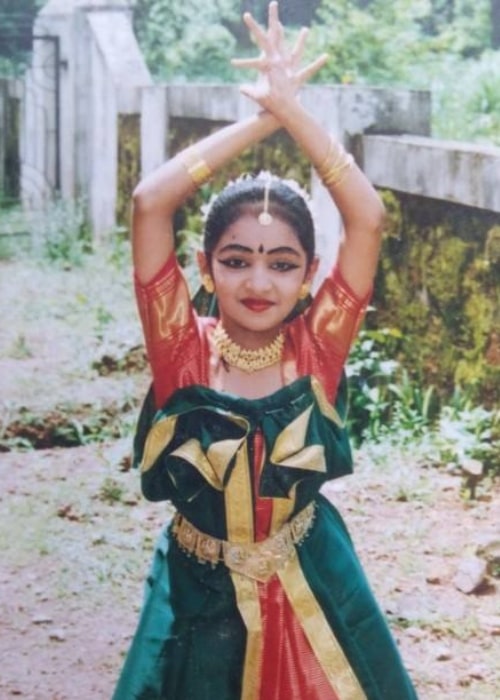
[(242, 358)]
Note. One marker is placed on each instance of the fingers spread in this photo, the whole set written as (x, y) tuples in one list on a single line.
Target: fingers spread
[(273, 15), (256, 31), (308, 71), (298, 49), (276, 30), (257, 63), (277, 65)]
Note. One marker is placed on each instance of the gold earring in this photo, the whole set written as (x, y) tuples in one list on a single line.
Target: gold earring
[(304, 290), (208, 283)]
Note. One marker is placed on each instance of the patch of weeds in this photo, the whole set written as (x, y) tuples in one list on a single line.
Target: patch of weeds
[(132, 360), (15, 239), (467, 431), (410, 489), (103, 317), (67, 426), (111, 491), (404, 623), (404, 494), (119, 252), (20, 349), (461, 628), (61, 234)]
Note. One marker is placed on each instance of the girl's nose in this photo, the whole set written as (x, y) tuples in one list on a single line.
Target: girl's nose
[(259, 279)]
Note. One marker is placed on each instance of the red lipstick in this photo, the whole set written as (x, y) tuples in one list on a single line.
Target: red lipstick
[(257, 305)]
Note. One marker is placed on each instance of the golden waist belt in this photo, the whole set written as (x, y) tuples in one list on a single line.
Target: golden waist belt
[(257, 560)]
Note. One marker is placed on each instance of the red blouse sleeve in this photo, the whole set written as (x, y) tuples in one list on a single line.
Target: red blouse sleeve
[(170, 328), (324, 335)]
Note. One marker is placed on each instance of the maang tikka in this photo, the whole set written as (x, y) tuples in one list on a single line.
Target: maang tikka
[(265, 218)]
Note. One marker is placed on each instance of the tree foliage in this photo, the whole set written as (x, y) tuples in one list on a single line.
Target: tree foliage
[(195, 41), (421, 44), (16, 27), (398, 42), (372, 39)]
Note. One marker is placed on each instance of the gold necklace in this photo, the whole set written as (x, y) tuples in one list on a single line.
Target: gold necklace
[(243, 358)]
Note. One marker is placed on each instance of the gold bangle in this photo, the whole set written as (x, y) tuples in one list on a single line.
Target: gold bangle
[(197, 168), (338, 172), (334, 167), (327, 161)]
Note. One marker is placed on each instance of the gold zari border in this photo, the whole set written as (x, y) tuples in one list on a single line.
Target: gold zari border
[(323, 642), (240, 529)]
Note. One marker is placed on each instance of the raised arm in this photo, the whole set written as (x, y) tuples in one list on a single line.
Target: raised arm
[(360, 207), (161, 193)]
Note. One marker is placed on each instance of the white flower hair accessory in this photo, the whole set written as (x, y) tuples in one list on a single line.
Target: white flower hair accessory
[(267, 178)]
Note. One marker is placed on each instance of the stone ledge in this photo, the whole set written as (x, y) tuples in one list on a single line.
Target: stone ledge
[(465, 173)]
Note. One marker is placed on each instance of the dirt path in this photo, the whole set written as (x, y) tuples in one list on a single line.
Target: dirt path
[(76, 540), (76, 536)]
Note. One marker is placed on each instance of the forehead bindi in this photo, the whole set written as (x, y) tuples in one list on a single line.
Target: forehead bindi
[(247, 235)]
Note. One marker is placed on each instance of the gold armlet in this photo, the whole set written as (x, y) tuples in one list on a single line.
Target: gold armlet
[(197, 168)]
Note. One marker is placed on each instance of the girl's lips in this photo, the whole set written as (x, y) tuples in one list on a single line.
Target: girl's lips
[(257, 304)]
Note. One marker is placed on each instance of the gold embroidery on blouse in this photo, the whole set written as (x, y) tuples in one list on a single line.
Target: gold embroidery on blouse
[(337, 316)]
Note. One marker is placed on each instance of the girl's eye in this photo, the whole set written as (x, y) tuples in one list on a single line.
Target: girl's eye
[(282, 266), (234, 263)]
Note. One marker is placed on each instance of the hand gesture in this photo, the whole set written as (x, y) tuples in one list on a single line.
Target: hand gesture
[(280, 76)]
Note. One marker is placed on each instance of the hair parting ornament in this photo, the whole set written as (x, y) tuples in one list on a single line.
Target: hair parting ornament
[(268, 178), (265, 218)]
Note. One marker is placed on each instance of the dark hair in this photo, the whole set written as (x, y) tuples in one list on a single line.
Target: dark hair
[(246, 196)]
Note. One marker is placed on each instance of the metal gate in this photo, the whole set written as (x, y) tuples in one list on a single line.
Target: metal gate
[(30, 101)]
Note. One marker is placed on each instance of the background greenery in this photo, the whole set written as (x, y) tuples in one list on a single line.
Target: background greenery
[(16, 28), (451, 47), (426, 366)]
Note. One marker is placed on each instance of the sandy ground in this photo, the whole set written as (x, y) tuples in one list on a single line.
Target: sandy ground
[(76, 536)]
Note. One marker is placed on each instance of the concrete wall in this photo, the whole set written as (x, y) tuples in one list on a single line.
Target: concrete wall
[(344, 110), (101, 72), (449, 170)]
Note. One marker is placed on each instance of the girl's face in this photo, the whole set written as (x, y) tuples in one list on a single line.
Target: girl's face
[(258, 272)]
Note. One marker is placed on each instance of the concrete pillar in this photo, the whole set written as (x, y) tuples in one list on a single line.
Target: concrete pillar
[(102, 147), (39, 118), (117, 74), (154, 128), (101, 71)]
